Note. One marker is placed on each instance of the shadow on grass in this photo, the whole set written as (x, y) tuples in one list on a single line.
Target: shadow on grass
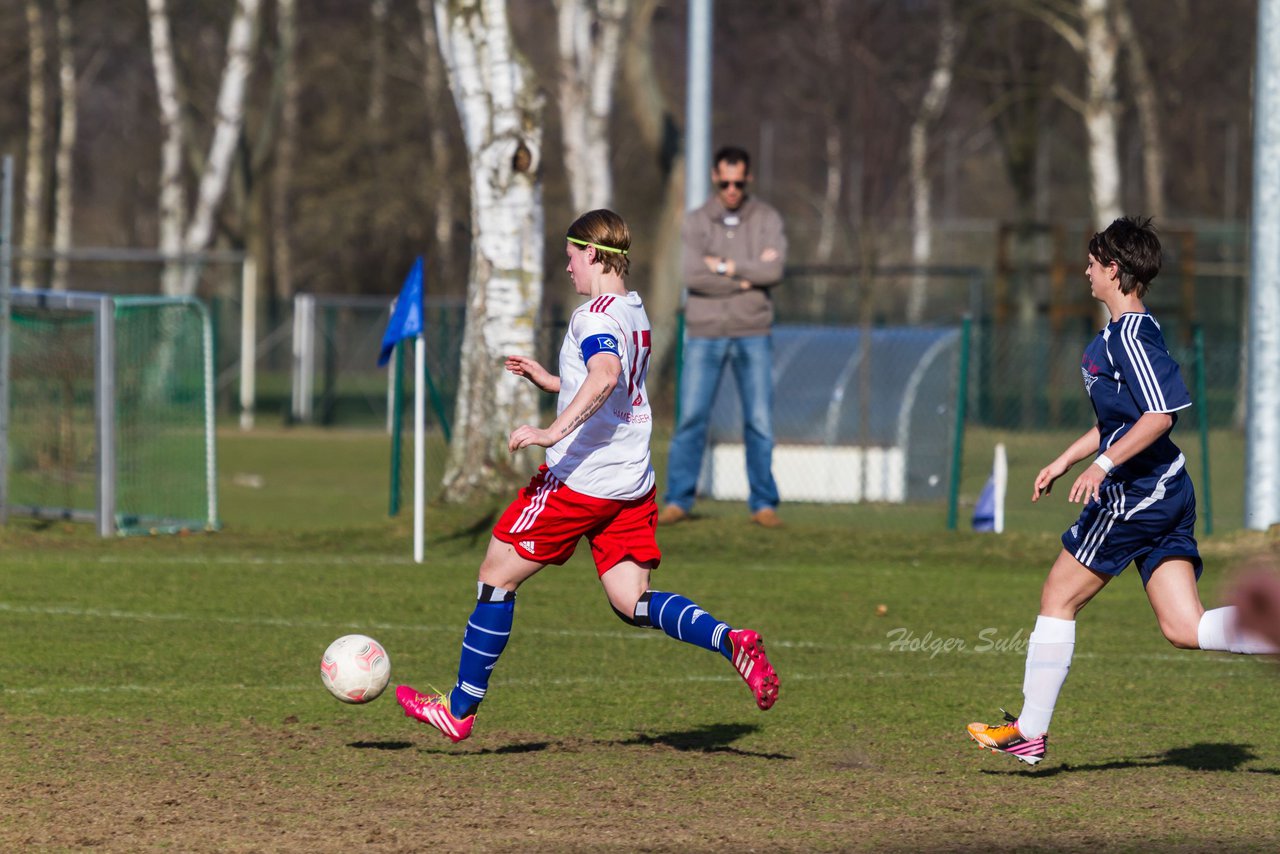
[(1197, 757), (715, 738), (381, 745), (482, 527), (505, 750)]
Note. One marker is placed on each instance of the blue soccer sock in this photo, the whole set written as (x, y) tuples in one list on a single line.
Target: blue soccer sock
[(482, 643), (683, 620)]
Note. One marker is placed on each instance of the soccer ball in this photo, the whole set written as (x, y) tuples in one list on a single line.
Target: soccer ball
[(355, 668)]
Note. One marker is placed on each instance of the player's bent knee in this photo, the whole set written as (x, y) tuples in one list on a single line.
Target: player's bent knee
[(639, 616), (1180, 637)]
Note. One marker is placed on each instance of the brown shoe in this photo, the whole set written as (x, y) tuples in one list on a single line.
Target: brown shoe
[(766, 518), (671, 514)]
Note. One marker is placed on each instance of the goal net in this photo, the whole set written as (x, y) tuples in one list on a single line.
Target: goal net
[(859, 415), (111, 411)]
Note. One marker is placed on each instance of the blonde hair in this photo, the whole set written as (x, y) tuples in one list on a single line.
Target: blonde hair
[(604, 228)]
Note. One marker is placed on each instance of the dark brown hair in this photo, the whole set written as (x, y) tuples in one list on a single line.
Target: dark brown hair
[(733, 155), (1131, 243)]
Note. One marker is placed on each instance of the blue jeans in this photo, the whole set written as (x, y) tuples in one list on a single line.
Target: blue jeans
[(704, 361)]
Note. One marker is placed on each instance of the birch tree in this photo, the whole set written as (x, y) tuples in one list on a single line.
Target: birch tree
[(1093, 37), (178, 236), (173, 205), (588, 37), (33, 199), (64, 161), (286, 149), (1102, 108), (501, 112), (931, 107)]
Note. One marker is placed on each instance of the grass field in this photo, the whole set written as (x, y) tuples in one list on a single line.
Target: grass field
[(164, 693)]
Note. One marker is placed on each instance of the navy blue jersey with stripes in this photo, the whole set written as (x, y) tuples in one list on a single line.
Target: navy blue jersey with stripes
[(1146, 512), (1127, 372)]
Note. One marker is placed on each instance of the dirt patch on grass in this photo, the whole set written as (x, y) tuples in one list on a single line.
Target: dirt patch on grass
[(291, 786)]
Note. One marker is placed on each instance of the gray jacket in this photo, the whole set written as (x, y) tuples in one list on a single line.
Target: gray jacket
[(718, 306)]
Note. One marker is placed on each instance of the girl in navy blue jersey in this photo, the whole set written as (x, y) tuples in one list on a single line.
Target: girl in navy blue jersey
[(1139, 503)]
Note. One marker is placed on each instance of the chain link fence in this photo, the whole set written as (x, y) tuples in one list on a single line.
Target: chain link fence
[(1021, 288)]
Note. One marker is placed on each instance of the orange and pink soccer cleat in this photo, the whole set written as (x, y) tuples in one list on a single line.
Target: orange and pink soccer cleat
[(1006, 738)]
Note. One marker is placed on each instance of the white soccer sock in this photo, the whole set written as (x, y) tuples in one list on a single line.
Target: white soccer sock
[(1218, 631), (1049, 652)]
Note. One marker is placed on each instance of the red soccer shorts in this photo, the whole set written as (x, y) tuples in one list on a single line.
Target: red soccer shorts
[(547, 519)]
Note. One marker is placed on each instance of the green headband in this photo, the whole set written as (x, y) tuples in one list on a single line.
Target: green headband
[(596, 245)]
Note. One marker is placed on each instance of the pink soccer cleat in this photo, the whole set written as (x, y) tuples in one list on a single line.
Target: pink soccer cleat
[(754, 667), (433, 709)]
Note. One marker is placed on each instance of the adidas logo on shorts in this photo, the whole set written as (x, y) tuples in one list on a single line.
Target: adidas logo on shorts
[(527, 545)]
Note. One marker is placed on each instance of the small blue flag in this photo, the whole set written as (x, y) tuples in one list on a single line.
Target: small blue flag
[(984, 512), (406, 317)]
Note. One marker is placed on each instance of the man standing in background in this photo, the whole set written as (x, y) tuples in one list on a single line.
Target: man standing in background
[(734, 251)]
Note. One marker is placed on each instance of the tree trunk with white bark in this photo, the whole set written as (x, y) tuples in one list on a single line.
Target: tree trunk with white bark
[(1101, 109), (37, 130), (1096, 42), (64, 161), (931, 107), (589, 34), (286, 149), (226, 134), (177, 235), (501, 111), (173, 205)]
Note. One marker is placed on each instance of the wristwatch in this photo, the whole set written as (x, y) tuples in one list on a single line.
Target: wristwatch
[(722, 267)]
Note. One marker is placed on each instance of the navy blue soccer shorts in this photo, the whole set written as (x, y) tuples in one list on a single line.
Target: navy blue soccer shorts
[(1120, 529)]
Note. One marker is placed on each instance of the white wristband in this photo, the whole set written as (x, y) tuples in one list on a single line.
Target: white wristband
[(1104, 462)]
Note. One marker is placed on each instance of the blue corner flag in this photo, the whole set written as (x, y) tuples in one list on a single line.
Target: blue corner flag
[(984, 512), (988, 513), (406, 317)]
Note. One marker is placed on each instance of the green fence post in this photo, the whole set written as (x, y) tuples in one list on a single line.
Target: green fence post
[(215, 306), (957, 443), (436, 403), (329, 393), (1203, 418)]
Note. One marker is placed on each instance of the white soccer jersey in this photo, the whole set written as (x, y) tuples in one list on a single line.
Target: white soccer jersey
[(608, 455)]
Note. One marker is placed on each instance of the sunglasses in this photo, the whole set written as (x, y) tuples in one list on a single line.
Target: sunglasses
[(737, 185)]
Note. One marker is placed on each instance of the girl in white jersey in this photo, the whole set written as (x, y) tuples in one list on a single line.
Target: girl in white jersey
[(597, 483)]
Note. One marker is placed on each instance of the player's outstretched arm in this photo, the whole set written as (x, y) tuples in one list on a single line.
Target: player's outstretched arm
[(532, 370), (603, 371)]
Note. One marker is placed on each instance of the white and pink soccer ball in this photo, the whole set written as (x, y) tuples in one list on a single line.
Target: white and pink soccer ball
[(355, 668)]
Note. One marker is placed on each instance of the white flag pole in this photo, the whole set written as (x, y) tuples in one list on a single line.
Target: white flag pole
[(1000, 471), (419, 458)]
